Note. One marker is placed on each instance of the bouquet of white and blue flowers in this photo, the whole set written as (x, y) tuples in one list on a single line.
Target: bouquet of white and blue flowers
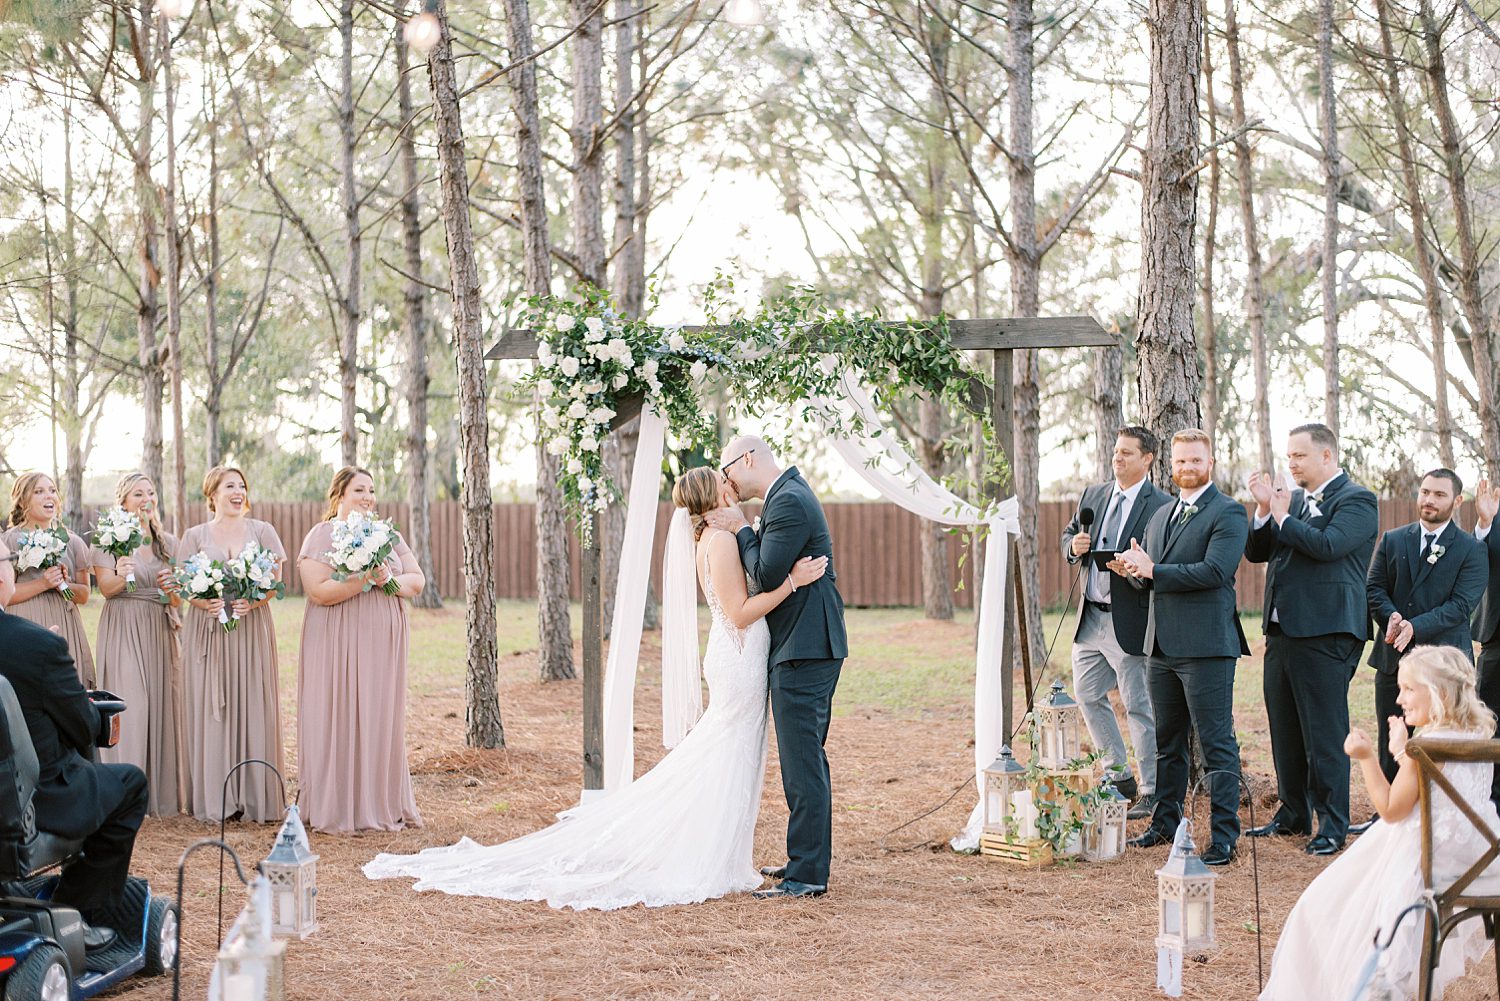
[(252, 574), (362, 542), (42, 549), (201, 577), (119, 534)]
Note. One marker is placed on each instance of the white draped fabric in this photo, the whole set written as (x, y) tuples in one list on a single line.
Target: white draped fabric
[(878, 457)]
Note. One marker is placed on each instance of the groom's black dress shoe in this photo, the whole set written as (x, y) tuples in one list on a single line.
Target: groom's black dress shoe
[(1218, 854), (773, 871), (96, 937), (790, 888), (1150, 839), (1276, 829), (1362, 828), (1324, 845)]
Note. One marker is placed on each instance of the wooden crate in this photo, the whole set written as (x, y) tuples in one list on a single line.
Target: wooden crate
[(1030, 852)]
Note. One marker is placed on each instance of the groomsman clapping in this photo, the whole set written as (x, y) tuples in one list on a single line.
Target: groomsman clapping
[(1316, 543), (1486, 625)]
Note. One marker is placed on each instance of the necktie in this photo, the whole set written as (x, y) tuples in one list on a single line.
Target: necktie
[(1427, 538), (1110, 540)]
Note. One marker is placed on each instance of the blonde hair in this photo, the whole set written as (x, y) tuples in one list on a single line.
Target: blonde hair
[(153, 520), (1450, 680), (215, 476), (20, 496), (1193, 434), (341, 481), (698, 491)]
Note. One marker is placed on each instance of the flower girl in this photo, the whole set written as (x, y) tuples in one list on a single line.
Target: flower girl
[(1329, 934)]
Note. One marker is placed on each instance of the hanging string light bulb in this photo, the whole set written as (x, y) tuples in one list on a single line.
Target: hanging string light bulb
[(745, 13), (423, 31)]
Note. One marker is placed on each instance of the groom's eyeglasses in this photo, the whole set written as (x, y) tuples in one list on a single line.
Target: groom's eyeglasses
[(725, 468)]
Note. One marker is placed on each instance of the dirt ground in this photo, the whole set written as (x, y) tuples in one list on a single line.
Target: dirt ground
[(906, 918)]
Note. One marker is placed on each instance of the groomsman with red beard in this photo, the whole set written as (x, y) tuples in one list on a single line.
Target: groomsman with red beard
[(1424, 583)]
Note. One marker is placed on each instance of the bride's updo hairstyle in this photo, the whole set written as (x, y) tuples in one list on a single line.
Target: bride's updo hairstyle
[(1450, 680), (698, 491)]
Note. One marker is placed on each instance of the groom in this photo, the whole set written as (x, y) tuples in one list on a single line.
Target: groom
[(807, 649)]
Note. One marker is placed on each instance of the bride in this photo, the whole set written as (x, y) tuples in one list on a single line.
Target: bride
[(683, 832)]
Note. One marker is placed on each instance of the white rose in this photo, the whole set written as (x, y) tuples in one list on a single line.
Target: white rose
[(600, 415), (617, 346), (357, 560), (575, 466), (569, 366), (578, 410), (544, 353), (627, 359), (648, 368), (593, 388), (621, 381), (200, 583), (550, 417), (595, 328), (598, 351), (676, 341), (654, 383), (564, 322), (698, 370), (589, 443), (584, 484), (545, 387), (557, 446)]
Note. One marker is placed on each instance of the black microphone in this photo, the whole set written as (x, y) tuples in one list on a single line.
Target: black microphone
[(1086, 516)]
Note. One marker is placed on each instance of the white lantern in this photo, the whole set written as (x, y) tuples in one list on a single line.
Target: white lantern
[(1104, 837), (251, 963), (1184, 910), (1059, 726), (1004, 781), (292, 871)]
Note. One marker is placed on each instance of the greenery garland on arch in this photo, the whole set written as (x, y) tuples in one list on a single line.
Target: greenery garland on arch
[(789, 351)]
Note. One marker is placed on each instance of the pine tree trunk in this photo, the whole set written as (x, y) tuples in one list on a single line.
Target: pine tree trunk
[(418, 496), (1210, 238), (481, 693), (73, 426), (937, 576), (1416, 207), (1255, 297), (1471, 298), (554, 618), (213, 400), (1109, 405), (150, 275), (1165, 342), (350, 300), (174, 288), (587, 54), (1025, 293), (1328, 123)]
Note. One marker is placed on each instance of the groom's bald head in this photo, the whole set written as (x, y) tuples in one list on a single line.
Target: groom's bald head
[(750, 465)]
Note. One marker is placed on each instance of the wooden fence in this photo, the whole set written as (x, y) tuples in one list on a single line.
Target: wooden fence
[(877, 549)]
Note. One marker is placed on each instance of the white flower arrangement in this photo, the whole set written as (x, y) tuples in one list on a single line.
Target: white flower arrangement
[(202, 577), (251, 575), (43, 549), (119, 533), (362, 542), (1436, 553)]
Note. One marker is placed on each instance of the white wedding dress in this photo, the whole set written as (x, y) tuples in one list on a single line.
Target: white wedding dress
[(680, 834), (1329, 935)]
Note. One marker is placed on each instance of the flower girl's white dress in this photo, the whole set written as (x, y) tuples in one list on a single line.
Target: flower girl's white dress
[(681, 833), (1330, 933)]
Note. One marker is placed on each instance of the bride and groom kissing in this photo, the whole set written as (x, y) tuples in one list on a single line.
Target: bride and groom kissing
[(684, 832)]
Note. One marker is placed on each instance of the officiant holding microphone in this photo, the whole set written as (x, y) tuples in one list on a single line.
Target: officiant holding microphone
[(1110, 632)]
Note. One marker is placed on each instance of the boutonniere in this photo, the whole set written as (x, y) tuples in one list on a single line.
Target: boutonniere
[(1187, 512), (1436, 553), (755, 525)]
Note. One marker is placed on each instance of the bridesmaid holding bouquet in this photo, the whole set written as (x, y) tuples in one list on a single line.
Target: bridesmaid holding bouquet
[(50, 596), (140, 652), (230, 692), (351, 681)]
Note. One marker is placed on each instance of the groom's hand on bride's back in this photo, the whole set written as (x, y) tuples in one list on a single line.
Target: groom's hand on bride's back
[(730, 519)]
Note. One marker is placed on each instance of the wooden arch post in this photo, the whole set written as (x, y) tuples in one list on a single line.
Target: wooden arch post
[(1001, 337)]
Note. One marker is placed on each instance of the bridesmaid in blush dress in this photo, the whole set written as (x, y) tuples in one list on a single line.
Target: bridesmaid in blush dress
[(34, 504), (229, 678), (140, 653), (351, 680)]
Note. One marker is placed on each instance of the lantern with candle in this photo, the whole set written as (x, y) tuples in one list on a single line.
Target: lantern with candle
[(250, 965), (292, 871), (1184, 910), (1059, 725), (1010, 814), (1104, 837)]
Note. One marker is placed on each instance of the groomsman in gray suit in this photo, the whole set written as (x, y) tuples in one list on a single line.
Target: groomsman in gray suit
[(1193, 640), (1486, 626), (1110, 633), (1316, 543)]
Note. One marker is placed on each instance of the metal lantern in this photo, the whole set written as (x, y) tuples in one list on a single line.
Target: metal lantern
[(292, 871), (1184, 909), (1104, 837), (1004, 782), (251, 963), (1059, 729)]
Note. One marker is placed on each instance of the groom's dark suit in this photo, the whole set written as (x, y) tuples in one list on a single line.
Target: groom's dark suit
[(808, 648), (1193, 638)]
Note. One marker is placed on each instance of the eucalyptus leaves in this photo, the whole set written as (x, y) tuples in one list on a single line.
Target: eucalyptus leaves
[(790, 352)]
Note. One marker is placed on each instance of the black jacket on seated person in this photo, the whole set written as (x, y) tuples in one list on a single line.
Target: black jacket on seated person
[(76, 797)]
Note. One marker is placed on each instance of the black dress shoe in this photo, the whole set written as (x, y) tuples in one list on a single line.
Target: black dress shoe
[(1218, 854), (1150, 839), (791, 888), (773, 871), (1324, 845), (1276, 829), (1362, 828), (96, 937), (1142, 808), (1127, 787)]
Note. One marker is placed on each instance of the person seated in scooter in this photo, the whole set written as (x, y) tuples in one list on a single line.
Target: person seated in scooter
[(76, 798)]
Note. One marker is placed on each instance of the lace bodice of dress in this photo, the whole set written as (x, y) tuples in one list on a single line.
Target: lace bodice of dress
[(716, 608)]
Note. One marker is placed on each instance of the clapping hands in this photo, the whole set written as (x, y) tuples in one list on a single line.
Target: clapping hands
[(1399, 632), (1133, 562), (1486, 503), (1358, 744)]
